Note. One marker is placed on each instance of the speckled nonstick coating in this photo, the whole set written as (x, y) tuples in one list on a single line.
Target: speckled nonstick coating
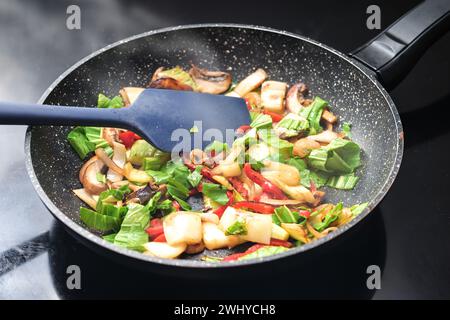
[(353, 93)]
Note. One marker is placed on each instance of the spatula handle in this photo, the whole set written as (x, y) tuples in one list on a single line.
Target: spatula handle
[(34, 114)]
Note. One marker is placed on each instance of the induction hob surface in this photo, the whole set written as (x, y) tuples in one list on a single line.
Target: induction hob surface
[(407, 235)]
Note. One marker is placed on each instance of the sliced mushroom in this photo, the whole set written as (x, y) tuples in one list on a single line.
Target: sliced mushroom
[(110, 135), (142, 196), (169, 83), (195, 248), (88, 176), (157, 75), (295, 97), (328, 116), (130, 94), (272, 96), (214, 82), (324, 137), (250, 83), (303, 147)]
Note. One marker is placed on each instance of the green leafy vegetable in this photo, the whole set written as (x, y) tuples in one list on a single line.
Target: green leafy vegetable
[(99, 221), (358, 208), (313, 113), (159, 177), (152, 204), (344, 182), (215, 192), (79, 142), (179, 74), (281, 147), (100, 177), (132, 234), (330, 217), (346, 129), (217, 147), (114, 103), (339, 157), (183, 204), (110, 237), (140, 150), (195, 177), (261, 121), (156, 161), (285, 215), (292, 125), (264, 252), (237, 228)]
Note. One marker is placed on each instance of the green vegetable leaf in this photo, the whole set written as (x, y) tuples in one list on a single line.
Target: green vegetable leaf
[(358, 208), (183, 204), (99, 221), (215, 192), (140, 150), (285, 215), (313, 113), (346, 129), (160, 177), (237, 228), (100, 177), (179, 74), (292, 125), (104, 102), (264, 252), (217, 147), (261, 121), (79, 142), (132, 234), (195, 176), (339, 157), (110, 237), (330, 217), (282, 148), (344, 182)]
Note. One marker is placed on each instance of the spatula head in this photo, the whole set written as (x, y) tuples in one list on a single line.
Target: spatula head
[(169, 119)]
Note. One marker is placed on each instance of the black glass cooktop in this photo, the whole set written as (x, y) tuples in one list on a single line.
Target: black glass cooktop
[(407, 236)]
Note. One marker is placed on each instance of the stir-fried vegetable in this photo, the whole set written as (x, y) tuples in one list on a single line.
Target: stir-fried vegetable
[(263, 188)]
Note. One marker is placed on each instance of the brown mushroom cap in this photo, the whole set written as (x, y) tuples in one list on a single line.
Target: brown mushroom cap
[(294, 97), (214, 82), (88, 176), (169, 83)]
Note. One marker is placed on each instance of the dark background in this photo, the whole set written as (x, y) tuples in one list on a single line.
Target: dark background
[(408, 236)]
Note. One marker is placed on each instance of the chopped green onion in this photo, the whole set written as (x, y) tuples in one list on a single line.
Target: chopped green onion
[(285, 215), (237, 228)]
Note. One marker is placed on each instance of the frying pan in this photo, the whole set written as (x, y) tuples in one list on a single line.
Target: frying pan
[(353, 85)]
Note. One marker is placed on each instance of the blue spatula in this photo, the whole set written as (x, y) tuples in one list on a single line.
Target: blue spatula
[(155, 115)]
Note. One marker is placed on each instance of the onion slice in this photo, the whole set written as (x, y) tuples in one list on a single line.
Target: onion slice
[(119, 158), (86, 197), (101, 154), (276, 202)]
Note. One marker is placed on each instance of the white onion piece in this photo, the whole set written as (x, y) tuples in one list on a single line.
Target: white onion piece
[(119, 158), (101, 154), (86, 197)]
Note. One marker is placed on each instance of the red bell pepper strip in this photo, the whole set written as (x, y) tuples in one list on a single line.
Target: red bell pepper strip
[(239, 186), (253, 248), (234, 257), (275, 116), (205, 172), (304, 213), (154, 232), (128, 138), (176, 205), (156, 222), (280, 243), (193, 191), (220, 210), (160, 238), (255, 206), (243, 129), (249, 106), (268, 187)]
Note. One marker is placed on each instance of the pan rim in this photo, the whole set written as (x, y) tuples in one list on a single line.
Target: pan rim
[(97, 241)]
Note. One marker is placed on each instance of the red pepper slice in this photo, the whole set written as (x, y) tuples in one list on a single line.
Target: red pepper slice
[(249, 107), (176, 205), (280, 243), (205, 172), (154, 232), (255, 206), (253, 248), (239, 186), (234, 257), (275, 116), (268, 187), (156, 222), (219, 211), (304, 213), (128, 138), (243, 129), (160, 238)]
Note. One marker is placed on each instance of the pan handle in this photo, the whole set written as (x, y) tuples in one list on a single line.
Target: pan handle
[(393, 53)]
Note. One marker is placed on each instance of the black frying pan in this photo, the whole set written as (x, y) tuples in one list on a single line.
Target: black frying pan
[(350, 84)]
